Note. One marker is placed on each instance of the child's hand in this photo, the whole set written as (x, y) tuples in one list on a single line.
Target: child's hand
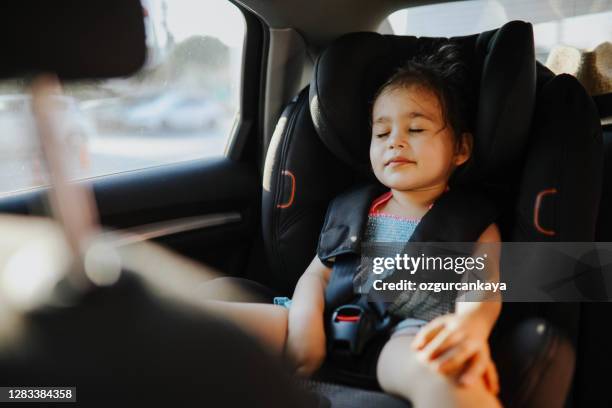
[(305, 345), (456, 345)]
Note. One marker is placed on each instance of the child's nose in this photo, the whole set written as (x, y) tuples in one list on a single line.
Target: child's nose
[(396, 140)]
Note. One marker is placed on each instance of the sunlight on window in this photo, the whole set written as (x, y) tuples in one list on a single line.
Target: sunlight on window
[(581, 23), (180, 106), (213, 18)]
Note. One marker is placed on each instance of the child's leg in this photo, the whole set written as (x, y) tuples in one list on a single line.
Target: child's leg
[(266, 322), (400, 372)]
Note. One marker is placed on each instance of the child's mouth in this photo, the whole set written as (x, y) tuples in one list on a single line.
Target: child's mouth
[(398, 162)]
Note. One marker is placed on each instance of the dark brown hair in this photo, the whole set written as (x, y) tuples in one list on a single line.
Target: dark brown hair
[(446, 76)]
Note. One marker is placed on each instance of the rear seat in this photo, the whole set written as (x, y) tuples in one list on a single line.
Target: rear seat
[(593, 351), (604, 220)]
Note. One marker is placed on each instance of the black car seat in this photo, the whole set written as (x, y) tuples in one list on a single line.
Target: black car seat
[(530, 127), (593, 352)]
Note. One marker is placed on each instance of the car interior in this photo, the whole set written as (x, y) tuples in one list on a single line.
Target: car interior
[(309, 71)]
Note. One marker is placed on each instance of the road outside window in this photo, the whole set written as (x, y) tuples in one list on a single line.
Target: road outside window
[(181, 106)]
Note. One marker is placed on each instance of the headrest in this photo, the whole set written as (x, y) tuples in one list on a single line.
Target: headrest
[(502, 67), (592, 68), (71, 38)]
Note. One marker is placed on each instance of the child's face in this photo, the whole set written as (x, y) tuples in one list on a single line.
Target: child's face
[(411, 147)]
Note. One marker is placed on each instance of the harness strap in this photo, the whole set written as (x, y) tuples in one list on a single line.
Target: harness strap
[(339, 290)]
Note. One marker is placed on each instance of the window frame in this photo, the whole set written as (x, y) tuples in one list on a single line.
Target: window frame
[(245, 140)]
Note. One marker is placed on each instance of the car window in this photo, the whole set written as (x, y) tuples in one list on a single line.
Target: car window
[(580, 23), (181, 106)]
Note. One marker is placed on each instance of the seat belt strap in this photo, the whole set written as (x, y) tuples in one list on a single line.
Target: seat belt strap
[(339, 290)]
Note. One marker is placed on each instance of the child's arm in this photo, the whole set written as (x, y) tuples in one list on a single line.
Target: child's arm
[(458, 342), (485, 312), (306, 331)]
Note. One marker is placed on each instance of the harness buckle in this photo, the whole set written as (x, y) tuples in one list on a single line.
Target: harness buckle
[(352, 326)]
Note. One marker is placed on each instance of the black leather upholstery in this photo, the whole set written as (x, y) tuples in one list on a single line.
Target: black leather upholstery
[(604, 219), (537, 139), (593, 351), (503, 82), (300, 178), (565, 150)]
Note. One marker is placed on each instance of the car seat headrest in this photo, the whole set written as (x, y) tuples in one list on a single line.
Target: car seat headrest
[(75, 40), (501, 65)]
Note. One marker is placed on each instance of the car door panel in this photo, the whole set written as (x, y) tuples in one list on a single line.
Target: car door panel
[(204, 209)]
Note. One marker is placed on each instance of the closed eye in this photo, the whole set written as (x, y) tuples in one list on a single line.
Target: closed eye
[(415, 130), (380, 135)]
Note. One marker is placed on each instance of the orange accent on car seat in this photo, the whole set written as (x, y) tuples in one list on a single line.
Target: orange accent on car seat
[(536, 211), (348, 318), (288, 203)]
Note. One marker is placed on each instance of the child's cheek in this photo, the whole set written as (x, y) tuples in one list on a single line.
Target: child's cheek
[(376, 157)]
